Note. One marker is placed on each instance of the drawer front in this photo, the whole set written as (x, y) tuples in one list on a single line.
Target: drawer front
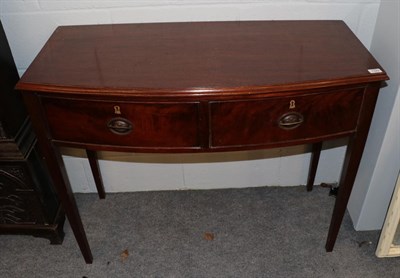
[(133, 124), (275, 120)]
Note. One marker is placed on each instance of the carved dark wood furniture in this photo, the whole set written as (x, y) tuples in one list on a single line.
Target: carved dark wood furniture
[(28, 203), (201, 87)]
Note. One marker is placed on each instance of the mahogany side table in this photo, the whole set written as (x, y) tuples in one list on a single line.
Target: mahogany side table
[(201, 87)]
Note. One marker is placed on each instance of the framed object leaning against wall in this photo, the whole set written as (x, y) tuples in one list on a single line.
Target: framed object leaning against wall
[(389, 241)]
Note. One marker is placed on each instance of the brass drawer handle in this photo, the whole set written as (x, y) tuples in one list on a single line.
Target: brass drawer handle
[(290, 120), (120, 126)]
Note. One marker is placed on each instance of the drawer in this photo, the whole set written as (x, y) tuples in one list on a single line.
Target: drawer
[(284, 119), (133, 124)]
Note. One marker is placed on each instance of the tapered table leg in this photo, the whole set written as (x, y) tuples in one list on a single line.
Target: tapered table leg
[(58, 174), (315, 154), (350, 166), (94, 165), (352, 160), (56, 167)]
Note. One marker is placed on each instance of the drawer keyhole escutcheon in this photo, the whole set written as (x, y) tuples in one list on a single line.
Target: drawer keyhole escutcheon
[(117, 110), (292, 104), (290, 120), (120, 126)]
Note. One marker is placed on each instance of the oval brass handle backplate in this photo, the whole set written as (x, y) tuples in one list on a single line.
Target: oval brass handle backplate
[(290, 120), (120, 126)]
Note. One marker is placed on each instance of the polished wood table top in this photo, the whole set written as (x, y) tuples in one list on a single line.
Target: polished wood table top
[(201, 58), (201, 87)]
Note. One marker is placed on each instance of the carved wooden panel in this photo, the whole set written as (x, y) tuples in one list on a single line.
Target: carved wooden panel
[(18, 201)]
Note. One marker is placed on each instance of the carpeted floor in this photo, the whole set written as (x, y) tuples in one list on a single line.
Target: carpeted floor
[(251, 232)]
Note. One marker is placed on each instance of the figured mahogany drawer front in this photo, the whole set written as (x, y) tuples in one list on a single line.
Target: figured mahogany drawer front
[(274, 120), (136, 124)]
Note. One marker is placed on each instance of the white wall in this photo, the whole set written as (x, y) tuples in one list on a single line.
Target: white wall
[(28, 24), (380, 165)]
